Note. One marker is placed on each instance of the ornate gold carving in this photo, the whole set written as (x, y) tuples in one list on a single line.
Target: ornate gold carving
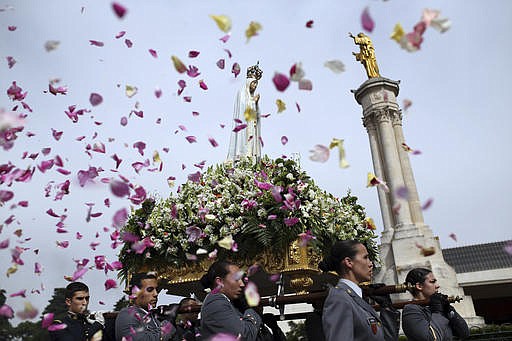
[(254, 72)]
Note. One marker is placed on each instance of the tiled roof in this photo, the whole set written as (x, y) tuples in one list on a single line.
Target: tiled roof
[(479, 257)]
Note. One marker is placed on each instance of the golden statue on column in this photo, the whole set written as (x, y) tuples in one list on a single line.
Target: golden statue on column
[(366, 54), (247, 142)]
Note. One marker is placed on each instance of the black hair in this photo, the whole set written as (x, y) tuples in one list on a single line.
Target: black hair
[(74, 287), (339, 251), (137, 279), (219, 268), (188, 299), (417, 275)]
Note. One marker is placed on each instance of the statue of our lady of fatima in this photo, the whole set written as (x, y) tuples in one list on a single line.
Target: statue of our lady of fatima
[(247, 142)]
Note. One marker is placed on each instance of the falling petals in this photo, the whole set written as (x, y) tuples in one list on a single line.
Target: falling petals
[(305, 84), (153, 53), (406, 104), (110, 284), (280, 81), (373, 180), (235, 69), (203, 85), (119, 10), (341, 152), (223, 22), (367, 21), (95, 99), (79, 273), (441, 24), (309, 24), (319, 153), (252, 30), (10, 61), (96, 43), (426, 251), (239, 127), (305, 238), (120, 34), (130, 91), (335, 66), (409, 149), (221, 63), (281, 106), (225, 38), (398, 33), (128, 43), (178, 64), (191, 139), (284, 140), (28, 313), (6, 311), (453, 236), (427, 204), (119, 188), (140, 146), (213, 142), (252, 296), (402, 193), (296, 72), (51, 45)]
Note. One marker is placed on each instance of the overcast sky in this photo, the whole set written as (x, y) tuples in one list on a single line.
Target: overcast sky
[(457, 82)]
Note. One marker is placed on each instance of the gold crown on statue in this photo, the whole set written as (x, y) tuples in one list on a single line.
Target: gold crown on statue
[(254, 72)]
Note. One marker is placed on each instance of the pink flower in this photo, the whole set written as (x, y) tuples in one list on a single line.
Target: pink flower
[(120, 217), (291, 221), (47, 320), (6, 311), (87, 175), (193, 71), (79, 273), (14, 92)]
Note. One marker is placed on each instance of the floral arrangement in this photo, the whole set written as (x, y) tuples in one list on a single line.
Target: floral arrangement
[(239, 210)]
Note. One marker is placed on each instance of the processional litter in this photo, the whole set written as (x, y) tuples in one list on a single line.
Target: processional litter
[(285, 268)]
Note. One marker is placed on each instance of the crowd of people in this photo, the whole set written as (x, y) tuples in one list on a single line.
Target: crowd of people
[(346, 313)]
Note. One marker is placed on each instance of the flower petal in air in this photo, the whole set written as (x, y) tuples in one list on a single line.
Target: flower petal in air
[(281, 82), (223, 22), (284, 140), (309, 24), (429, 15), (57, 326), (281, 106), (441, 24), (203, 85), (373, 180), (47, 320), (153, 53), (119, 10), (252, 30), (51, 45), (96, 43), (120, 34), (110, 283), (427, 204), (79, 273), (235, 69), (398, 33), (213, 142), (193, 54), (10, 61), (296, 72), (225, 38), (95, 99), (341, 152), (119, 188), (252, 296), (239, 127), (406, 104), (128, 43), (130, 91), (221, 63), (367, 21), (191, 139), (178, 64), (29, 312), (335, 66), (319, 153), (453, 236), (305, 84)]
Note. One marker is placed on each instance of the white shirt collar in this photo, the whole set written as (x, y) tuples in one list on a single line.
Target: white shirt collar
[(353, 286)]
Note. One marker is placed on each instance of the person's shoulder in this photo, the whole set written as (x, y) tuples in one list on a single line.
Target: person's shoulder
[(413, 308)]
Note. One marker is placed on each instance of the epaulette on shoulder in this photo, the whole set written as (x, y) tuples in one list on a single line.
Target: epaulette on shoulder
[(56, 321)]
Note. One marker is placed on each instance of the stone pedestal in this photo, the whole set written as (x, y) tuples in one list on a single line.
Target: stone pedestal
[(404, 229)]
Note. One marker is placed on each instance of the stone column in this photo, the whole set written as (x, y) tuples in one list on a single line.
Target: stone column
[(404, 230)]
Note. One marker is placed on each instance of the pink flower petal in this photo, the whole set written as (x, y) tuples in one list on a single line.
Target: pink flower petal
[(367, 21), (37, 268), (158, 92), (225, 38), (195, 113), (319, 153), (79, 273), (281, 82), (57, 326), (4, 244), (153, 53), (6, 311), (95, 99), (10, 61), (96, 43), (5, 196), (427, 204), (193, 71), (203, 85), (453, 236), (140, 147), (239, 127), (11, 28), (120, 217), (19, 293), (309, 24), (128, 43), (110, 283), (213, 142), (56, 134), (124, 121), (191, 139), (120, 34), (28, 313), (187, 99), (284, 140), (193, 54), (221, 64), (120, 188), (119, 10), (47, 320)]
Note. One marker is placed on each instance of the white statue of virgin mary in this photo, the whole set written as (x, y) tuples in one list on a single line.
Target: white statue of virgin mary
[(247, 141)]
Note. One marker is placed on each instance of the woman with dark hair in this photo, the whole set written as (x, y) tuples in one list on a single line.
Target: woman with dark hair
[(346, 316), (218, 314), (438, 320)]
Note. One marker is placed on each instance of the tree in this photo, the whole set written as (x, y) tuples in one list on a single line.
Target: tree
[(123, 302), (56, 304)]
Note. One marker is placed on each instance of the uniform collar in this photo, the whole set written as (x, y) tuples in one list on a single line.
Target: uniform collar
[(353, 286)]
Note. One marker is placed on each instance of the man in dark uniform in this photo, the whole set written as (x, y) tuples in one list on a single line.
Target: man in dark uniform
[(79, 326)]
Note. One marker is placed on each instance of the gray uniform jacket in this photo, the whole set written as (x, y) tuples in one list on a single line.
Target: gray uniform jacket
[(135, 323), (419, 323), (218, 315), (346, 316)]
